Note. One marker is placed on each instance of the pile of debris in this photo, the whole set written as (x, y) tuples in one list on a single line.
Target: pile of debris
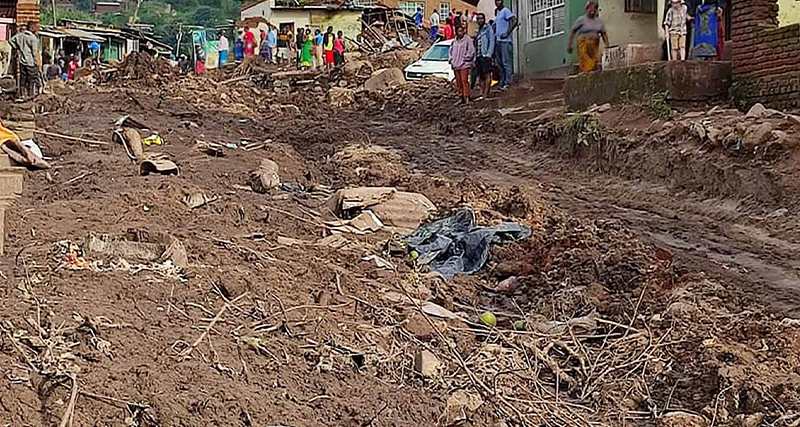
[(389, 31), (142, 68)]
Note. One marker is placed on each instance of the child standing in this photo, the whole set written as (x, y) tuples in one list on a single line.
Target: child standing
[(675, 24), (462, 56)]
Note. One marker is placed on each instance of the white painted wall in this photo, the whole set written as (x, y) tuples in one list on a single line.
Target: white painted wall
[(300, 18), (263, 9)]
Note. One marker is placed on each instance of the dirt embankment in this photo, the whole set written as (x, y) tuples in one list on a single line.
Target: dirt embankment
[(272, 322)]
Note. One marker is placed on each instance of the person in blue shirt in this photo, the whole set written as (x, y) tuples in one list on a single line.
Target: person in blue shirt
[(484, 52), (418, 18), (272, 44), (505, 23)]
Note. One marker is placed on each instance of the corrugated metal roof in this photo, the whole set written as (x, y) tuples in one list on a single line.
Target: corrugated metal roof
[(81, 34)]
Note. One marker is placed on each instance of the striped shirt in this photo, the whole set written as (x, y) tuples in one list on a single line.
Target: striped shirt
[(676, 19)]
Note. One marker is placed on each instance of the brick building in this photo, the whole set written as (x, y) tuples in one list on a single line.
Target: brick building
[(766, 66), (27, 10)]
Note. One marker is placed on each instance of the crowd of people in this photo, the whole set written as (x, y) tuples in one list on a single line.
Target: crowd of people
[(308, 49), (475, 60)]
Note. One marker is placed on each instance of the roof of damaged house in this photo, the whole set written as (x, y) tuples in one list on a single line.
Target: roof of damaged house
[(309, 5)]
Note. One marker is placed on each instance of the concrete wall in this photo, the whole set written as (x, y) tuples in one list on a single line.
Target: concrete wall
[(788, 12), (766, 66), (683, 81), (346, 21), (628, 27)]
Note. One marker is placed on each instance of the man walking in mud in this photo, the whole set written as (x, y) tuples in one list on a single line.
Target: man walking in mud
[(26, 44)]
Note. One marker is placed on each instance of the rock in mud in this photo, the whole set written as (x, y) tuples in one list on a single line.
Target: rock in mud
[(419, 327), (341, 97), (682, 419), (386, 78), (288, 109), (459, 405), (751, 420), (426, 364), (756, 111), (757, 135), (265, 177)]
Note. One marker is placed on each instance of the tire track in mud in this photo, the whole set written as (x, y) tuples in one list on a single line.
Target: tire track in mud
[(717, 236)]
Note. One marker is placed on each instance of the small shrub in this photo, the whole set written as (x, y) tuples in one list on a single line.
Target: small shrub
[(582, 128), (658, 105)]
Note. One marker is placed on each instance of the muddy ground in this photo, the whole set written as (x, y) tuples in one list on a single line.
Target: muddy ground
[(658, 287)]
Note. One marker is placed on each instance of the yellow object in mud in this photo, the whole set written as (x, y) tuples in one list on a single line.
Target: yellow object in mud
[(6, 135), (489, 319), (153, 140)]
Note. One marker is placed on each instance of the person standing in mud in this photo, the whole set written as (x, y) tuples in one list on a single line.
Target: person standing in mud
[(505, 23), (589, 28), (462, 56), (675, 22), (299, 42), (484, 52), (318, 39), (435, 25), (249, 42), (283, 46), (338, 49), (272, 44), (26, 44), (327, 48)]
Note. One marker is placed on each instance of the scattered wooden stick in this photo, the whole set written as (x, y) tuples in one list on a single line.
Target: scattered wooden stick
[(71, 138), (79, 177), (186, 353), (66, 419)]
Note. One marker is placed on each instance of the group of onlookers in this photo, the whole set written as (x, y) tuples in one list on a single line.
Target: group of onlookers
[(474, 60), (308, 49)]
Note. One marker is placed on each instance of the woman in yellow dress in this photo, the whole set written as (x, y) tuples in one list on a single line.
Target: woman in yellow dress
[(589, 28)]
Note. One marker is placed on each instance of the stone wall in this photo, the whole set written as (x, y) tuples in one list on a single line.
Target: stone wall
[(681, 81), (766, 64)]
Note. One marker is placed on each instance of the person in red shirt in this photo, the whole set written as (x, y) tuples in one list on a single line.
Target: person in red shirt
[(71, 67), (448, 29), (249, 42)]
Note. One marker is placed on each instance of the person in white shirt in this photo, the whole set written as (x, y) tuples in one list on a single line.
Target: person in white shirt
[(223, 50), (435, 25)]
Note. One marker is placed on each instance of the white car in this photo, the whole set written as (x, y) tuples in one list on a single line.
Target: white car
[(434, 63)]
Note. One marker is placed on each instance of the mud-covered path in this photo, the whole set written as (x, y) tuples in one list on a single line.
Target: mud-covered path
[(749, 244)]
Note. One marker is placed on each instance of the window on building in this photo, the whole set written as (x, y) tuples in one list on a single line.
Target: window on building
[(410, 7), (547, 18), (444, 9), (643, 6)]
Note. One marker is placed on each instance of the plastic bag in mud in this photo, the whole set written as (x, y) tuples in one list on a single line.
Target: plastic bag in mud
[(456, 245)]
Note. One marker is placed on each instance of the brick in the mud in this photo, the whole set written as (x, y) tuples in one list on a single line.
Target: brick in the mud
[(426, 364)]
